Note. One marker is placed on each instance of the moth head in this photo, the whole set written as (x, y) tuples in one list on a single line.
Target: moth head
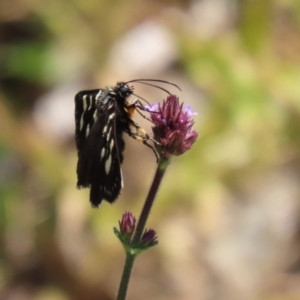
[(124, 90)]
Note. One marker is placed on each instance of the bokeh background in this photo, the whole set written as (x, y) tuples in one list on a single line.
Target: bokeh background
[(228, 212)]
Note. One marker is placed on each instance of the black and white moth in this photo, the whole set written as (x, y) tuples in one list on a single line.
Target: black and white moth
[(101, 118)]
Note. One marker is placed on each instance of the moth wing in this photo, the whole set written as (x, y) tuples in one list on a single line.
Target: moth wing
[(100, 156), (85, 114)]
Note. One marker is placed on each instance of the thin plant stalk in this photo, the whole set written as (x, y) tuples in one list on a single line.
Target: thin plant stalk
[(131, 254), (129, 261)]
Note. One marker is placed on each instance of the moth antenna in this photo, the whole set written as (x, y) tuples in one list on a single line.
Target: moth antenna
[(155, 80), (156, 86)]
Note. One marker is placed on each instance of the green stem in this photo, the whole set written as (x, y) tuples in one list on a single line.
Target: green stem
[(131, 255), (159, 174)]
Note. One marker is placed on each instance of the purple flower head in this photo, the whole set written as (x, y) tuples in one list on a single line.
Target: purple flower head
[(127, 225), (173, 126), (149, 238)]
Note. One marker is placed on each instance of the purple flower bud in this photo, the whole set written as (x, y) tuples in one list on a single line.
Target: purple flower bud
[(173, 126), (127, 225), (148, 238)]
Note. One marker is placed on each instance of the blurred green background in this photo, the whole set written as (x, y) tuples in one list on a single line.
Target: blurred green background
[(228, 212)]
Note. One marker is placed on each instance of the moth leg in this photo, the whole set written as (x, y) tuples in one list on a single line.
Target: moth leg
[(141, 136), (152, 148), (140, 132), (146, 118), (137, 105), (144, 140)]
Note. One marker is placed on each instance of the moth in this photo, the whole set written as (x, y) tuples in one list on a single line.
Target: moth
[(101, 118)]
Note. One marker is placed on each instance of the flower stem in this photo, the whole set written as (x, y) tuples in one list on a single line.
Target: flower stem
[(131, 255), (160, 171)]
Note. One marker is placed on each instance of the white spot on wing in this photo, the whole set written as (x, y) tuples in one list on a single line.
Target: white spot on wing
[(111, 144), (84, 102), (84, 108), (121, 179), (90, 103), (99, 94), (108, 135), (111, 116), (102, 153), (104, 129), (81, 122), (95, 115), (87, 130), (108, 164)]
